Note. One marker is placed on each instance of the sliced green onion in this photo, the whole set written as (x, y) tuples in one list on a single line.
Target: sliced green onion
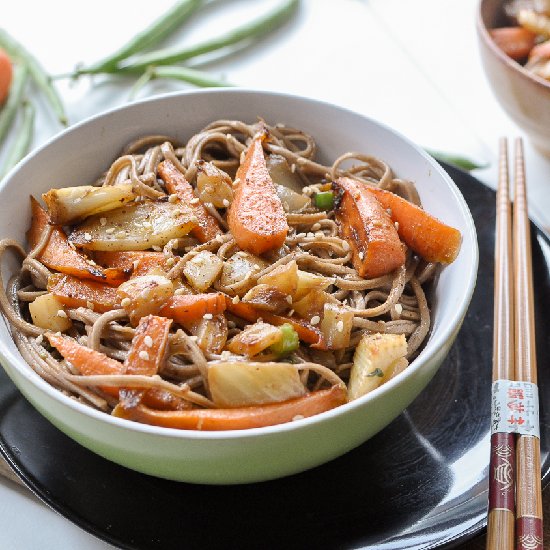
[(20, 147), (324, 200), (255, 28), (456, 160), (288, 343), (158, 30), (9, 110), (43, 80)]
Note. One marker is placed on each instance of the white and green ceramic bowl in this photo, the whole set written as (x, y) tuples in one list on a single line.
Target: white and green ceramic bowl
[(79, 154)]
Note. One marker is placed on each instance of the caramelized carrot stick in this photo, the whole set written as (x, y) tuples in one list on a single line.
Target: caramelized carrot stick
[(256, 217), (191, 307), (59, 255), (516, 42), (207, 227), (241, 418), (368, 229), (422, 232), (134, 263), (73, 292), (146, 355), (306, 332), (90, 362)]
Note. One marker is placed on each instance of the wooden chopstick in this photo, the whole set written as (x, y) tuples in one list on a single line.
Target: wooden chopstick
[(501, 515), (515, 496), (528, 478)]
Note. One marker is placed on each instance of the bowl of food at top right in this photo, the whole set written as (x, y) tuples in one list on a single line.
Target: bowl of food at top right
[(514, 42)]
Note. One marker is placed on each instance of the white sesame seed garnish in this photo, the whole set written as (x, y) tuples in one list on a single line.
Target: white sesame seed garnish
[(148, 341), (340, 326), (293, 168), (172, 198), (39, 339), (289, 299), (87, 237), (125, 302), (315, 320), (156, 248), (135, 263), (398, 309), (194, 201), (291, 313), (298, 417), (316, 227), (226, 203), (170, 262), (361, 255), (110, 230), (194, 338), (61, 313), (90, 305), (225, 355), (236, 300), (147, 224), (143, 355), (310, 234), (207, 316), (345, 246), (397, 225), (237, 181), (103, 221)]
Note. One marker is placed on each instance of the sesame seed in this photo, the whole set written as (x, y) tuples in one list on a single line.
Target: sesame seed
[(170, 262), (110, 230), (125, 302), (135, 263), (156, 248), (398, 309), (310, 234), (345, 246), (207, 316), (361, 255), (90, 305), (291, 313), (225, 354), (226, 203), (148, 341), (39, 339), (179, 291), (298, 417), (315, 320), (194, 338), (236, 300), (396, 225), (193, 201), (237, 181), (147, 224), (172, 198), (87, 237), (316, 226), (62, 314), (340, 326), (103, 221), (289, 299), (143, 355), (293, 168), (121, 234)]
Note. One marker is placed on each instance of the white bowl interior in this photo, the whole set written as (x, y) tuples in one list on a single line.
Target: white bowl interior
[(78, 155)]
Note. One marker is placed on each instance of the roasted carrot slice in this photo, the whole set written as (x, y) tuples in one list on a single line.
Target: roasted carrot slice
[(426, 235), (134, 263), (90, 362), (241, 418), (58, 254), (74, 292), (256, 216), (368, 229), (184, 308), (207, 227), (306, 332), (146, 355), (515, 42)]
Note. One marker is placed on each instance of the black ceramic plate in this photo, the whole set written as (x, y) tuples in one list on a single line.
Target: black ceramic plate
[(420, 483)]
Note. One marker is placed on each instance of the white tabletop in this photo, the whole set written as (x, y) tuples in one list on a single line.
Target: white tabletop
[(412, 65)]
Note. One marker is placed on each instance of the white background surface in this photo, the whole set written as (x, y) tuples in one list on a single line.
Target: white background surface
[(412, 65)]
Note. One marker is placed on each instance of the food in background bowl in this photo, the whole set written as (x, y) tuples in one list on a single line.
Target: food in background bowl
[(238, 456), (230, 282), (526, 36)]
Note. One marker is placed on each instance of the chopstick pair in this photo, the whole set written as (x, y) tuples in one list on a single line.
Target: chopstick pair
[(515, 499)]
